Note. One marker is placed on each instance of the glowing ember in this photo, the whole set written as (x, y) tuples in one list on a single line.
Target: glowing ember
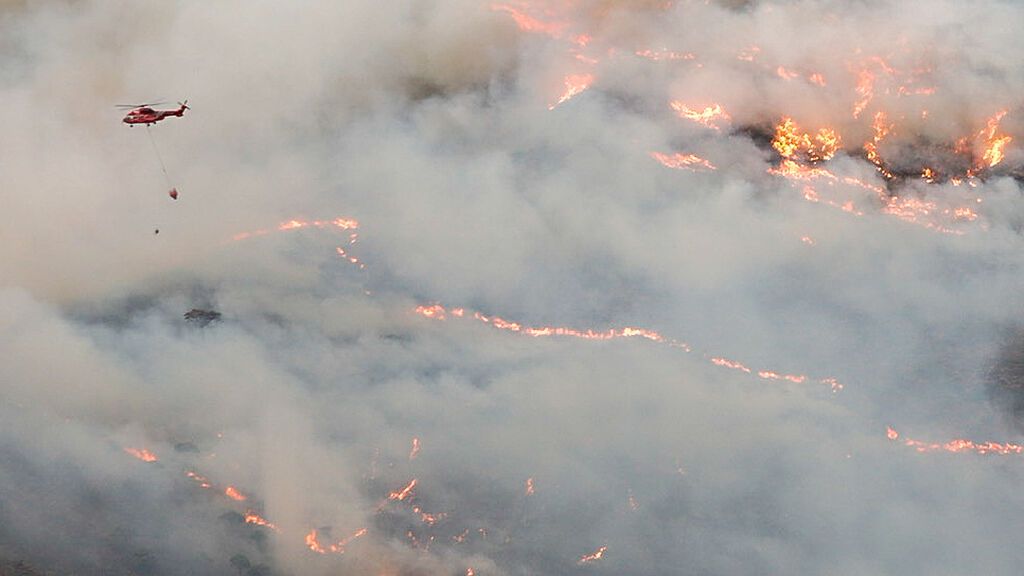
[(428, 519), (529, 486), (658, 55), (313, 543), (786, 74), (596, 555), (338, 223), (254, 518), (709, 116), (816, 79), (234, 494), (807, 240), (681, 161), (957, 445), (415, 449), (142, 454), (730, 364), (203, 482), (575, 84), (404, 492), (528, 23), (748, 54)]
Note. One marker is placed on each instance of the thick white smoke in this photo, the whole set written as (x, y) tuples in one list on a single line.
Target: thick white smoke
[(436, 126)]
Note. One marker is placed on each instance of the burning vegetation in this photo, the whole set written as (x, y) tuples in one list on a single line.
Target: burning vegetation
[(860, 136)]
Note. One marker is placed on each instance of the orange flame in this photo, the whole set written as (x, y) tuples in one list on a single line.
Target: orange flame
[(404, 492), (709, 116), (338, 548), (958, 445), (786, 74), (340, 223), (415, 448), (575, 84), (234, 494), (596, 555), (681, 161), (994, 145), (142, 454), (254, 518), (791, 143), (438, 312), (529, 486), (203, 482), (528, 23)]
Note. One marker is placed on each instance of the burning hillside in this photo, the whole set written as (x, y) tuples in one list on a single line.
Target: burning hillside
[(512, 287)]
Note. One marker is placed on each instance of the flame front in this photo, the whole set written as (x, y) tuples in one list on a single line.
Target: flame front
[(709, 116), (596, 555), (234, 494), (957, 445), (142, 454), (681, 161), (404, 492), (575, 84), (254, 518), (438, 312)]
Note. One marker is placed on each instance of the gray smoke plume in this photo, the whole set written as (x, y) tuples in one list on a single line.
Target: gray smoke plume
[(344, 163)]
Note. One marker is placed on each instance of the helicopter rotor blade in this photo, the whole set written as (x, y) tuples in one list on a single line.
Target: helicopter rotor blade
[(140, 105)]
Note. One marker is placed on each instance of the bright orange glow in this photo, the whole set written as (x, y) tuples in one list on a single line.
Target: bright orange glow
[(438, 312), (313, 543), (428, 519), (807, 240), (709, 116), (528, 23), (575, 84), (142, 454), (791, 143), (658, 55), (994, 147), (529, 486), (435, 311), (786, 74), (680, 161), (730, 364), (415, 449), (254, 518), (817, 79), (339, 223), (958, 445), (234, 494), (203, 482), (881, 129), (404, 492), (596, 555)]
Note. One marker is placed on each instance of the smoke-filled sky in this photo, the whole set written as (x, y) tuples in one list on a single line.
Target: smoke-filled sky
[(512, 288)]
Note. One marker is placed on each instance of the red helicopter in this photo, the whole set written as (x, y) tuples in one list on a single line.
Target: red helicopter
[(143, 114)]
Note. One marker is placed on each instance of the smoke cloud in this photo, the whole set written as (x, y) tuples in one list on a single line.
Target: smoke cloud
[(523, 287)]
